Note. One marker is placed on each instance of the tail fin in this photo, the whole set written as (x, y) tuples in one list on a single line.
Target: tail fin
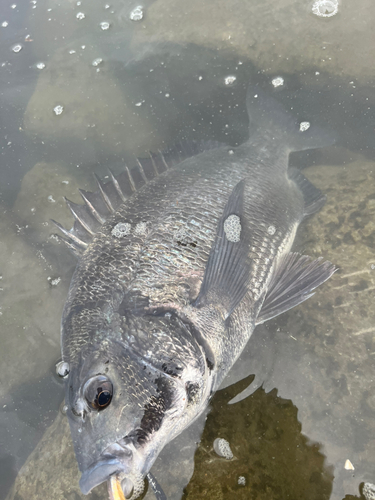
[(269, 118)]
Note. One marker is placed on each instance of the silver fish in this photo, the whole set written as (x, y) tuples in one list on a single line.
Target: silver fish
[(179, 260)]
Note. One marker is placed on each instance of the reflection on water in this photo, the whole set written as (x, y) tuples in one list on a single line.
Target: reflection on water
[(86, 86)]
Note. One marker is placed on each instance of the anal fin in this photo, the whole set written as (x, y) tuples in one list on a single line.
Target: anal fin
[(293, 282)]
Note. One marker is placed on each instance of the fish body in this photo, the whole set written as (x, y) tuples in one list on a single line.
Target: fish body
[(171, 280)]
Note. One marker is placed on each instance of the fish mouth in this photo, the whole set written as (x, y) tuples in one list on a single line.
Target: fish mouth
[(115, 460)]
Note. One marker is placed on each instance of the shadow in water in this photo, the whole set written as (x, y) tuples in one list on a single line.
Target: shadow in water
[(270, 451)]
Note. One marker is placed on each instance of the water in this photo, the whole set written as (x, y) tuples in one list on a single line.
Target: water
[(85, 86)]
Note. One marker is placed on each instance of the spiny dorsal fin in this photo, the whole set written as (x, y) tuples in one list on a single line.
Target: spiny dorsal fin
[(72, 241), (100, 205), (293, 282)]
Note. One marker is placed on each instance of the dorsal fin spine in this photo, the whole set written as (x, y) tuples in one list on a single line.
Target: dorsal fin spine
[(77, 217), (91, 207), (104, 195), (163, 159), (72, 237), (140, 167), (117, 186), (154, 164), (131, 180)]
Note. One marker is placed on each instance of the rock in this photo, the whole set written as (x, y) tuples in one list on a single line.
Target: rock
[(281, 37), (78, 114)]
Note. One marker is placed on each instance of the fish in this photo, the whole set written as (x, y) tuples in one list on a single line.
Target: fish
[(179, 259)]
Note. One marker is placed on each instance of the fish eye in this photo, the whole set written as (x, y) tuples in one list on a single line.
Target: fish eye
[(98, 392)]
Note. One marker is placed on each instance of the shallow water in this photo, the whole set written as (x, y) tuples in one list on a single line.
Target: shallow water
[(83, 88)]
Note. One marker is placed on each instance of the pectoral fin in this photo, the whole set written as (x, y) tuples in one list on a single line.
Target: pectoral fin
[(293, 281), (226, 277)]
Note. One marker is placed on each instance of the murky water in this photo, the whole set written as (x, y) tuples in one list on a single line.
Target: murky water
[(89, 85)]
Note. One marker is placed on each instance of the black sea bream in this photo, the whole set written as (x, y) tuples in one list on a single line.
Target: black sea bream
[(178, 261)]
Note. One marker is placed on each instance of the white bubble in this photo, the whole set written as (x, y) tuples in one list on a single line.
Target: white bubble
[(222, 448), (80, 15), (232, 228), (121, 229), (40, 65), (278, 81), (51, 199), (271, 230), (229, 80), (97, 61), (58, 109), (104, 25), (17, 48), (241, 480), (72, 51), (325, 8), (13, 6), (139, 103), (4, 24), (136, 14), (62, 369), (304, 126)]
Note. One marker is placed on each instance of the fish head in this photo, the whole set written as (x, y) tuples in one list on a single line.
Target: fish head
[(122, 410)]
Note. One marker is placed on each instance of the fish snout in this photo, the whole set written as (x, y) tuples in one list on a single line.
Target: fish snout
[(115, 460)]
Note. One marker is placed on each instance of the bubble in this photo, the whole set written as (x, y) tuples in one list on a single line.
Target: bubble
[(58, 109), (13, 6), (121, 229), (304, 126), (136, 14), (80, 15), (372, 266), (55, 281), (278, 81), (369, 491), (325, 8), (51, 199), (63, 408), (62, 369), (222, 448), (17, 48), (271, 230), (4, 24), (232, 228), (241, 480), (72, 51), (40, 65), (97, 61), (229, 80), (104, 25)]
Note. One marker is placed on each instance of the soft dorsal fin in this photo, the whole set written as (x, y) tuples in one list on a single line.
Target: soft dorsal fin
[(314, 198), (98, 206), (226, 277), (293, 282)]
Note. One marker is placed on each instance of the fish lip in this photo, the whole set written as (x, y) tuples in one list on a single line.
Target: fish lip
[(99, 472), (115, 459)]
